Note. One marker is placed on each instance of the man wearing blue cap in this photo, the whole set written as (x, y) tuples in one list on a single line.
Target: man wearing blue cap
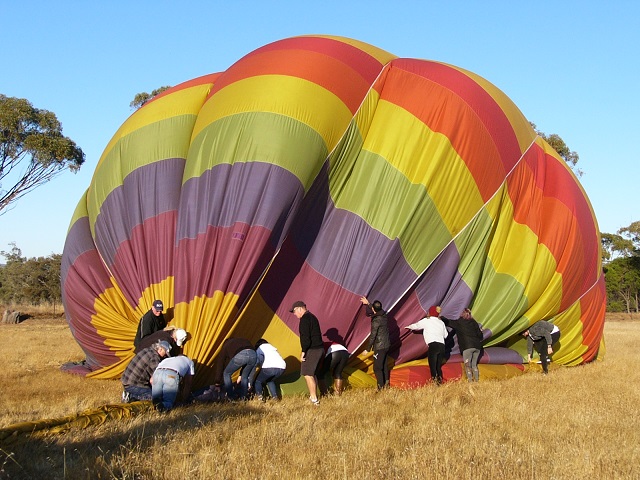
[(151, 322)]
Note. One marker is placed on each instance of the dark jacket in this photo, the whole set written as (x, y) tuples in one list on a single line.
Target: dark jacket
[(166, 335), (149, 323), (468, 332), (379, 338), (538, 331), (230, 348), (310, 334)]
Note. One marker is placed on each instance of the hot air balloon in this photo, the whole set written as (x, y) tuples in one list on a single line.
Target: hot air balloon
[(321, 168)]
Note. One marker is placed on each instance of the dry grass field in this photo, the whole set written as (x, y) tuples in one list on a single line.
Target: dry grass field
[(575, 423)]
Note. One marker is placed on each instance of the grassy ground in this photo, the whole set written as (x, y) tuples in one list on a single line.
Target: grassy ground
[(576, 422)]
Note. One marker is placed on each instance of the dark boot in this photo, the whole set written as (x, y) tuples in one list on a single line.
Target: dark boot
[(337, 386)]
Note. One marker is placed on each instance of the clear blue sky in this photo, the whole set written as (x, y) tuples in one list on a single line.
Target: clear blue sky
[(572, 67)]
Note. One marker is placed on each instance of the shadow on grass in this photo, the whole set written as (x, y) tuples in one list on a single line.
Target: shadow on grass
[(110, 450)]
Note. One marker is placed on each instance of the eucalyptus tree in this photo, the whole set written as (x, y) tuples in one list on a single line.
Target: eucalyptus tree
[(33, 149)]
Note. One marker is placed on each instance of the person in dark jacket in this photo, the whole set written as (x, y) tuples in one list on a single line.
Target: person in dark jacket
[(379, 341), (312, 348), (235, 354), (541, 335), (175, 336), (469, 336), (151, 322)]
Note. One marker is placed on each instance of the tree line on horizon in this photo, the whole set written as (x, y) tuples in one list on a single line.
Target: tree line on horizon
[(621, 265), (29, 281), (36, 281)]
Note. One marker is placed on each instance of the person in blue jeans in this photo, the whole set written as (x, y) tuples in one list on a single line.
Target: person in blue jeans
[(272, 365), (137, 376), (171, 382), (236, 354)]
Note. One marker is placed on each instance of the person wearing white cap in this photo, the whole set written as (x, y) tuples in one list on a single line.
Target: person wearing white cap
[(151, 322), (175, 336)]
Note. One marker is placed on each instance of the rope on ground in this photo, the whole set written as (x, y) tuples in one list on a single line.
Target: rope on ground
[(94, 416)]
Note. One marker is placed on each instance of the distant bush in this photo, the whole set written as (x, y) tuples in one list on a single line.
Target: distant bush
[(44, 310), (33, 283)]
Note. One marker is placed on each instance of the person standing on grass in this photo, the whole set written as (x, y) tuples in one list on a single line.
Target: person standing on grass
[(151, 322), (541, 335), (272, 365), (435, 334), (469, 336), (171, 382), (136, 379), (378, 341), (312, 348), (334, 362)]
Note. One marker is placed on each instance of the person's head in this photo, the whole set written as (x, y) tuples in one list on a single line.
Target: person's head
[(377, 306), (180, 336), (299, 308), (157, 307), (163, 348), (334, 336), (525, 333), (466, 314), (434, 311), (262, 341)]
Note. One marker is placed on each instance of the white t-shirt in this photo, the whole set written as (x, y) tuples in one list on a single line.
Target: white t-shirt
[(272, 359), (336, 347), (181, 364)]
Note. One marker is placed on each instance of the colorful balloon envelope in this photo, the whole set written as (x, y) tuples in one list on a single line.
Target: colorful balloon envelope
[(322, 169)]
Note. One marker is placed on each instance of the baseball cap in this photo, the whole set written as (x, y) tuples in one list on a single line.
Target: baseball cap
[(166, 345), (157, 304), (297, 304), (181, 336)]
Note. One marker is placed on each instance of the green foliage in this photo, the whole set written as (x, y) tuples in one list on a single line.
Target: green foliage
[(563, 150), (621, 255), (623, 284), (632, 232), (32, 149), (141, 98), (29, 281), (614, 245), (624, 243)]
